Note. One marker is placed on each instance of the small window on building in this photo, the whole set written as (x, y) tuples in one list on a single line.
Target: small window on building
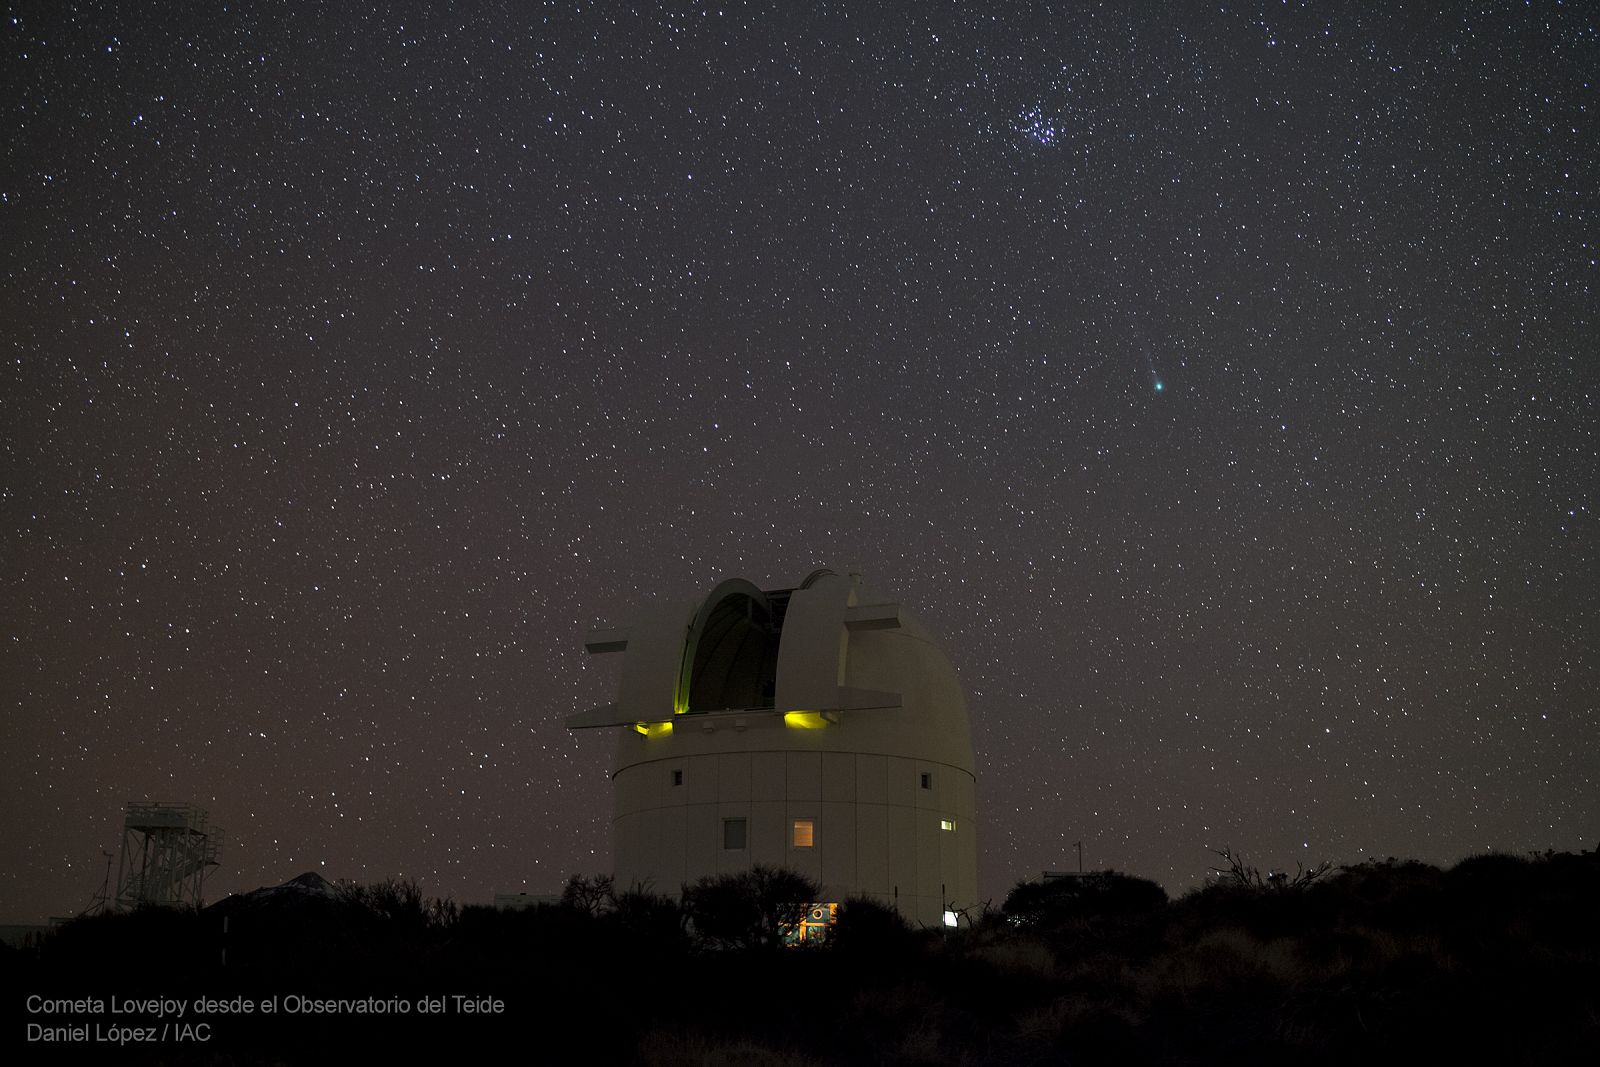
[(677, 777), (950, 918), (947, 824), (805, 833), (927, 780), (733, 832)]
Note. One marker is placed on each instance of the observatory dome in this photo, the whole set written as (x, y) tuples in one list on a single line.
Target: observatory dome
[(818, 728)]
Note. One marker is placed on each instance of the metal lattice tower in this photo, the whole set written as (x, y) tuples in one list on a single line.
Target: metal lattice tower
[(167, 851)]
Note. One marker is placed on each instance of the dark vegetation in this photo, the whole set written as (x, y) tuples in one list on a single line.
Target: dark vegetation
[(1494, 960)]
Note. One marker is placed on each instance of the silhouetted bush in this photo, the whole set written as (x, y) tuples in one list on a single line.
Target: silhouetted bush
[(1046, 904), (867, 929), (1236, 872), (591, 895), (748, 909), (165, 944), (511, 938), (399, 904), (649, 923)]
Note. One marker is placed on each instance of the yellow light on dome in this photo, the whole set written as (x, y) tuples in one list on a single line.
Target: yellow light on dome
[(804, 720), (653, 729)]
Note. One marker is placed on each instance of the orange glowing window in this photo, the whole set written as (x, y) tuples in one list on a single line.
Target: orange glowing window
[(805, 833)]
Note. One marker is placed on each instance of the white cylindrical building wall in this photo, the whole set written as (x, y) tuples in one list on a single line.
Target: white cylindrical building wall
[(858, 774)]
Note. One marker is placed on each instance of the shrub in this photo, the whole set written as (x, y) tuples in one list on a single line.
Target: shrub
[(589, 895), (649, 923), (399, 903), (748, 909), (864, 927), (1047, 904)]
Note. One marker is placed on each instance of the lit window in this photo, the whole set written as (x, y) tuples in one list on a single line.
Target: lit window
[(805, 833), (927, 780), (947, 824), (733, 834), (949, 918), (677, 777)]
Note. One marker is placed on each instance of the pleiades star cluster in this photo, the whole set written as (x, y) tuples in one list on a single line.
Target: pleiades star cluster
[(1218, 381)]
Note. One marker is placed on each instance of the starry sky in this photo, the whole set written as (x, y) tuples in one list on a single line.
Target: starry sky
[(1218, 380)]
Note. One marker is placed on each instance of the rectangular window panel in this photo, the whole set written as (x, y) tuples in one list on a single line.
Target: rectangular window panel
[(947, 824), (805, 833), (927, 780), (677, 777), (733, 832)]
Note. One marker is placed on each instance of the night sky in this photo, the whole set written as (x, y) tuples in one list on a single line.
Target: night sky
[(1218, 382)]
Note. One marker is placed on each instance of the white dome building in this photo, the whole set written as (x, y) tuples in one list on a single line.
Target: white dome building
[(818, 728)]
